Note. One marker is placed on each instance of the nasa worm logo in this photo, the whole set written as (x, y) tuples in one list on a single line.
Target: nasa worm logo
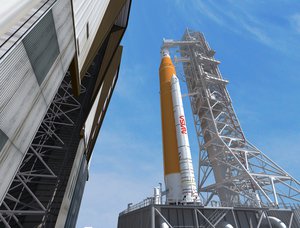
[(182, 125)]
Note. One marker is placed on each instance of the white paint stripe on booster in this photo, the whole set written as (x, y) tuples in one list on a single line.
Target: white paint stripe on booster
[(173, 185), (188, 183)]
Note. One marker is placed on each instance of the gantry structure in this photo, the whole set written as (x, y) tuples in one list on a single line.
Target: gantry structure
[(232, 171), (59, 64), (239, 185)]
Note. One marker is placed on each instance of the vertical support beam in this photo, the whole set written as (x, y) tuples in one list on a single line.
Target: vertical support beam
[(260, 220), (291, 220), (274, 191), (246, 160), (152, 217), (234, 219), (75, 77), (196, 218)]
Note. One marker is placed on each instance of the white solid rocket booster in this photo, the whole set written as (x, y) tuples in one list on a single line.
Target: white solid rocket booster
[(188, 183), (170, 151)]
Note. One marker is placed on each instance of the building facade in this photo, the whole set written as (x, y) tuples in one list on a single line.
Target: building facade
[(59, 63)]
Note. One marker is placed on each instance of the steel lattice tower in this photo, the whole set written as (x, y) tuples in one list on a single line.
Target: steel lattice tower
[(230, 167)]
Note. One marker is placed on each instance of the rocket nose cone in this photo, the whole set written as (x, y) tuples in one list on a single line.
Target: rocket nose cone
[(165, 53)]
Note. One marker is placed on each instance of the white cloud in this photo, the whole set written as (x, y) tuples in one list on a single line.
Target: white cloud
[(295, 22), (245, 19), (276, 145), (259, 34), (206, 8)]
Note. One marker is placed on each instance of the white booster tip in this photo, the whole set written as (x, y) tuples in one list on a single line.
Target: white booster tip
[(165, 53), (174, 79)]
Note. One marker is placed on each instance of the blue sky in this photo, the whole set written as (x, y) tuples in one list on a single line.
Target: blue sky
[(258, 44)]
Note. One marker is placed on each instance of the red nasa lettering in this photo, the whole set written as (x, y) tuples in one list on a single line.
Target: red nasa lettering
[(182, 125)]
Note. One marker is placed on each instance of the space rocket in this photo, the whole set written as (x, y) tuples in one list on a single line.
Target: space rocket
[(178, 169)]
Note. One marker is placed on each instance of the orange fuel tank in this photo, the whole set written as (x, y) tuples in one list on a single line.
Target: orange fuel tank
[(170, 148)]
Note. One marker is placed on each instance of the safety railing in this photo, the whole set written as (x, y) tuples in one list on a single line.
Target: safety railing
[(132, 207)]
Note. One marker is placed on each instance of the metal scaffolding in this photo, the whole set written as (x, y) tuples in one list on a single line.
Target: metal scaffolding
[(231, 169), (39, 177)]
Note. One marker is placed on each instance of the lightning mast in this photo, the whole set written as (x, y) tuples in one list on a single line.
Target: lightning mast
[(230, 167)]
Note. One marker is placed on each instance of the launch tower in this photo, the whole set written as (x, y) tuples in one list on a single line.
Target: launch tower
[(238, 185), (230, 167)]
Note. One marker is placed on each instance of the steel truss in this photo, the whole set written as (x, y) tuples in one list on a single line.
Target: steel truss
[(230, 167), (210, 221), (22, 198), (174, 216)]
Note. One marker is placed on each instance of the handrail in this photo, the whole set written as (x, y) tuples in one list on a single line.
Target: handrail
[(214, 204)]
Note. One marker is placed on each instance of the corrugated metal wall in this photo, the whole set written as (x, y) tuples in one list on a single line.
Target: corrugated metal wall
[(42, 47), (77, 179), (89, 12), (64, 31), (21, 110), (77, 194), (29, 78)]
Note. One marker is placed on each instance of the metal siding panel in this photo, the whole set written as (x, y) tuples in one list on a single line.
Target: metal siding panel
[(188, 217), (62, 15), (52, 82), (14, 13), (13, 71), (70, 189), (23, 25), (22, 109), (3, 139), (242, 219), (92, 12), (229, 218), (9, 164), (251, 218), (62, 18), (68, 55), (31, 124), (173, 216), (42, 47), (18, 107), (77, 195)]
